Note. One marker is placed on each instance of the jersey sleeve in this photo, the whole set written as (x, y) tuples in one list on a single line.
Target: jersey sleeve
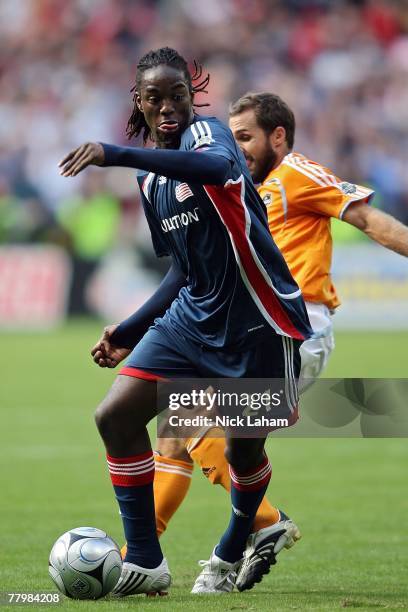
[(316, 189), (159, 244), (209, 134)]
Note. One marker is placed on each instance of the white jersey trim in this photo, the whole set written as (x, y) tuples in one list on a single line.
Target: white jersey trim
[(146, 185), (368, 196)]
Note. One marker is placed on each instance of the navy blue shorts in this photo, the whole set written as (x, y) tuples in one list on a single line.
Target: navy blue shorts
[(164, 354)]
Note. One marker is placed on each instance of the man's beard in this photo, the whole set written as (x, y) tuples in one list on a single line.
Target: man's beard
[(265, 165)]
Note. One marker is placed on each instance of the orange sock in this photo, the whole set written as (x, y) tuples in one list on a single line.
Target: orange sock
[(172, 480), (208, 453)]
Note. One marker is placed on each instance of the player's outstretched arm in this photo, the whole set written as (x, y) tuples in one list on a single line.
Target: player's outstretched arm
[(190, 166), (379, 226), (88, 154)]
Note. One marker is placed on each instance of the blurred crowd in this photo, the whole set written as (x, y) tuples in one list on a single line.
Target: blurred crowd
[(66, 69)]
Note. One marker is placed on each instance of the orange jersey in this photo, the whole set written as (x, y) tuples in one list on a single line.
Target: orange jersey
[(301, 196)]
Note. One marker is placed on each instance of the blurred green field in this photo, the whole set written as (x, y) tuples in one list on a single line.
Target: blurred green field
[(349, 496)]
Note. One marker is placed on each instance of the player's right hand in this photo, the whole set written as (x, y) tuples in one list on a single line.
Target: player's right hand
[(90, 153), (108, 355)]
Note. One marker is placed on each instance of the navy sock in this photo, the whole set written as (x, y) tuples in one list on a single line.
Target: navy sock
[(247, 492), (132, 479)]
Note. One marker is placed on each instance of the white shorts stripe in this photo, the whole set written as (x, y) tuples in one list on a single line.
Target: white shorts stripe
[(290, 381), (294, 380), (287, 392)]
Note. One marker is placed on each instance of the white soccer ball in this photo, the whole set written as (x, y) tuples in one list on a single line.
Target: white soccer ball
[(85, 563)]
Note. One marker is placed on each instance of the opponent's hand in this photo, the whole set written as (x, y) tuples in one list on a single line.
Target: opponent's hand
[(108, 355), (88, 154)]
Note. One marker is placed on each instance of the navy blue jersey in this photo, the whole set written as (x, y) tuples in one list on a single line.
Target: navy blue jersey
[(238, 284)]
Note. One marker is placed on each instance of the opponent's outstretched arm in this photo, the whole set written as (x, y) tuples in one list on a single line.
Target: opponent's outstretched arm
[(379, 226), (190, 166)]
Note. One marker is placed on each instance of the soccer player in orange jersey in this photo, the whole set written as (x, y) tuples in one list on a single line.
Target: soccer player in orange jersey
[(301, 197)]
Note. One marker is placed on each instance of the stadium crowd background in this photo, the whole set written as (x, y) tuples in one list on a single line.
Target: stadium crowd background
[(66, 69)]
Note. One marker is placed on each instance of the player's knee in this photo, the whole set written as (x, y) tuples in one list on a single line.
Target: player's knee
[(112, 420), (173, 448), (243, 458), (105, 418), (236, 460)]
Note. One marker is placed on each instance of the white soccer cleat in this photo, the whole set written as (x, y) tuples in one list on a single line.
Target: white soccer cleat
[(135, 579), (217, 576), (262, 548)]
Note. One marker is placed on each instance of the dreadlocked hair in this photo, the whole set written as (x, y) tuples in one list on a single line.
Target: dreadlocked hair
[(165, 55)]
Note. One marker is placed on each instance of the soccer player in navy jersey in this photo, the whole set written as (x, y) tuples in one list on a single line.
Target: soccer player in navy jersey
[(228, 304)]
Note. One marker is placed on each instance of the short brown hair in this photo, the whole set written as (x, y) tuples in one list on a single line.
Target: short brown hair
[(270, 112)]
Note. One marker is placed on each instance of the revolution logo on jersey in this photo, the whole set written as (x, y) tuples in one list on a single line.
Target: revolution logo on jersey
[(239, 280), (178, 221)]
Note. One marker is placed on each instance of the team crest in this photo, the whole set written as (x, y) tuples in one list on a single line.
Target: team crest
[(347, 188), (183, 192), (267, 199)]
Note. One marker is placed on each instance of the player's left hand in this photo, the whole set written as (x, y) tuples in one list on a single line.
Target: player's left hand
[(88, 154), (108, 355)]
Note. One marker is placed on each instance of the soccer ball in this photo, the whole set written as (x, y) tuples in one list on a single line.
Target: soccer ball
[(85, 563)]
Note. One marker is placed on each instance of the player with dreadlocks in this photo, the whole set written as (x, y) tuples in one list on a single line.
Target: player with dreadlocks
[(229, 306), (137, 121)]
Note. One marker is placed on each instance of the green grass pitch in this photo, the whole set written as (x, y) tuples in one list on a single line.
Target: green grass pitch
[(349, 496)]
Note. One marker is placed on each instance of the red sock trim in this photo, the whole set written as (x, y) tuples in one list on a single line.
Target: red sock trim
[(136, 373), (131, 471), (254, 479)]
